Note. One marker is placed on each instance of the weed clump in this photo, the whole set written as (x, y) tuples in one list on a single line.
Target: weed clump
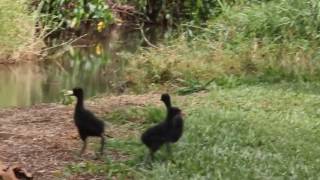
[(17, 32), (268, 40)]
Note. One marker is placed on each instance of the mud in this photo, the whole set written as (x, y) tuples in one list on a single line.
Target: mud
[(44, 140)]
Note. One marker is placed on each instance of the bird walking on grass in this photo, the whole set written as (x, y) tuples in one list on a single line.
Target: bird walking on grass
[(166, 132)]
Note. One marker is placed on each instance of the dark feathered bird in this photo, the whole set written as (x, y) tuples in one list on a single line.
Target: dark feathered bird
[(168, 131), (175, 119), (86, 122)]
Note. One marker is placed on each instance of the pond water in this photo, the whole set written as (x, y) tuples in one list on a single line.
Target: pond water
[(95, 64)]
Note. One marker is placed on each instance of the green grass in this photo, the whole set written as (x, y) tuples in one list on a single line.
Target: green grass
[(255, 131), (136, 115), (259, 117), (266, 39)]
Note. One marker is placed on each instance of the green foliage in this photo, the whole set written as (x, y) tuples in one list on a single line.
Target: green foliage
[(193, 86), (187, 11), (17, 27), (71, 13), (181, 63), (200, 10), (143, 115), (171, 10), (265, 40), (66, 98), (283, 20)]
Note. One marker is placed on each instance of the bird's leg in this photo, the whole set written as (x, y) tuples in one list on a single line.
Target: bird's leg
[(168, 147), (149, 157), (152, 155), (84, 147), (98, 156), (102, 145), (146, 157), (169, 151)]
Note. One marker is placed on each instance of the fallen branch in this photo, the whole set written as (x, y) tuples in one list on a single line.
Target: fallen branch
[(145, 38)]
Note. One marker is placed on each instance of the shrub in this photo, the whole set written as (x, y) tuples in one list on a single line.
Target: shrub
[(71, 13), (17, 31)]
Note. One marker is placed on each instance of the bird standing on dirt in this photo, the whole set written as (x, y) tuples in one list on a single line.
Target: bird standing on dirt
[(166, 132), (86, 122)]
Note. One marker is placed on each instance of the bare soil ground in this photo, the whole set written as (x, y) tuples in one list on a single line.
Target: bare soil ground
[(43, 138)]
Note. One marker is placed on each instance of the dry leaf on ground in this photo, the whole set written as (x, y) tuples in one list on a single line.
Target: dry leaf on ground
[(14, 173)]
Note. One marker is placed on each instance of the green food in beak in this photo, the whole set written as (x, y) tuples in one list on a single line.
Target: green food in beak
[(68, 93)]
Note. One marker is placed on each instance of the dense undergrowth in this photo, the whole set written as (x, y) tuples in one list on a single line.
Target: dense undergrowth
[(173, 12), (25, 25), (270, 41), (17, 31), (70, 14)]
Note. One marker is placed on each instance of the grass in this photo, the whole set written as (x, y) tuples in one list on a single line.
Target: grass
[(257, 131), (17, 31), (264, 39), (258, 118)]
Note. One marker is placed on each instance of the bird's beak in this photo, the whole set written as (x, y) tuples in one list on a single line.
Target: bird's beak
[(68, 93)]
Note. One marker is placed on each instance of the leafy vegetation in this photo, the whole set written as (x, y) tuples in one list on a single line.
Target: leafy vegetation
[(170, 11), (268, 41), (71, 13), (25, 24), (17, 30)]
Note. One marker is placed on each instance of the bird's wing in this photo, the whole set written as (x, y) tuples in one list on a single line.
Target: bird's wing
[(91, 120), (177, 121)]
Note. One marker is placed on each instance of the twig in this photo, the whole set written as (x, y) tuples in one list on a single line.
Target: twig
[(62, 44), (145, 38)]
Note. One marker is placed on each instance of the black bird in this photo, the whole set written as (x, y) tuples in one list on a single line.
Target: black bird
[(176, 130), (168, 131), (86, 122)]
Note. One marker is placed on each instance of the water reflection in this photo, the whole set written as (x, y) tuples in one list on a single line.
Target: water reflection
[(19, 85), (93, 64)]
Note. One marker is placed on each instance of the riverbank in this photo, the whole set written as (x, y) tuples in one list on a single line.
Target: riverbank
[(262, 130), (31, 30), (250, 81)]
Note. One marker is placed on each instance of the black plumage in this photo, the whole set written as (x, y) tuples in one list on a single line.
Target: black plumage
[(175, 119), (168, 131), (88, 125)]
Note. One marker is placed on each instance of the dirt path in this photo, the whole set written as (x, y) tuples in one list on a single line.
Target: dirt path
[(43, 138)]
